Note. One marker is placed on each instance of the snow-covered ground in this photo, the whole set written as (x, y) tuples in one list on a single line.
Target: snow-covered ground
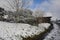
[(54, 34), (15, 31)]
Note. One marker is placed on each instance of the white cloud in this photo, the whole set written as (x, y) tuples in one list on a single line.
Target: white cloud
[(52, 6)]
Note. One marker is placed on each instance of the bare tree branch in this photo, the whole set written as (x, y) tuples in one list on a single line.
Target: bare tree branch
[(17, 4), (10, 4)]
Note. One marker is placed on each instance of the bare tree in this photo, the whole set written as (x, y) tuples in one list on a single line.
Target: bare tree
[(38, 13), (17, 4), (19, 7)]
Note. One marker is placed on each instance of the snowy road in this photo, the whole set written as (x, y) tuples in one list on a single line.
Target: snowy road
[(54, 34)]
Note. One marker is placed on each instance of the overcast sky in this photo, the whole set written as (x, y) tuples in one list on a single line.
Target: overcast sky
[(52, 6)]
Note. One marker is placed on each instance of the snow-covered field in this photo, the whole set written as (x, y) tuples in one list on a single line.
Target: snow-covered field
[(15, 31)]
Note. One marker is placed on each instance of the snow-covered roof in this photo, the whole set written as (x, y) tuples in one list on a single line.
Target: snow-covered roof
[(47, 14)]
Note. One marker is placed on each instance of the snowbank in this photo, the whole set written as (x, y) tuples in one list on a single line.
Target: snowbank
[(15, 31), (45, 25), (47, 14)]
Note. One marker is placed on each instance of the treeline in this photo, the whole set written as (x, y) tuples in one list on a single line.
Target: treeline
[(23, 16)]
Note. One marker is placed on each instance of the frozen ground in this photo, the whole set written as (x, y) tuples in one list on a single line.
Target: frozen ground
[(15, 31), (54, 34)]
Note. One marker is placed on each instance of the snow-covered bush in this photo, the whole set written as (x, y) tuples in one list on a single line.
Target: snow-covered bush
[(21, 16), (24, 12)]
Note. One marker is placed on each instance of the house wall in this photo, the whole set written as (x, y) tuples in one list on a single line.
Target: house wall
[(43, 20)]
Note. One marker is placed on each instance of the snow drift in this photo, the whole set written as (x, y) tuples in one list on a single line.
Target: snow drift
[(15, 31)]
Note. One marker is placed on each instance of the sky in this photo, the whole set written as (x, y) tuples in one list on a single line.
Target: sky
[(51, 6), (36, 2)]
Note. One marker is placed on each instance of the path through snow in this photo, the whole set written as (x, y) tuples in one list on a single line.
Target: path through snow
[(54, 34)]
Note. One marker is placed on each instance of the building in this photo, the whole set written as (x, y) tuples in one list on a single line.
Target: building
[(45, 19)]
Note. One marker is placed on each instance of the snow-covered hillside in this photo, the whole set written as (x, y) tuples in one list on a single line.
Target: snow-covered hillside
[(15, 31)]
